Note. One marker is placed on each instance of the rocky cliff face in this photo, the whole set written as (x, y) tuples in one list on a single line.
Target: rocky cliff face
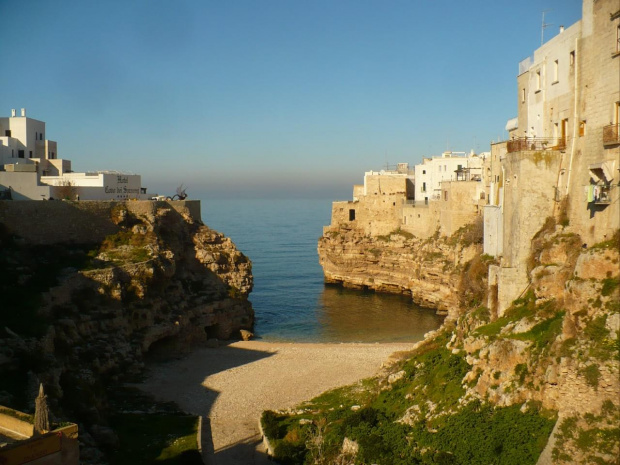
[(429, 270), (78, 316), (554, 351)]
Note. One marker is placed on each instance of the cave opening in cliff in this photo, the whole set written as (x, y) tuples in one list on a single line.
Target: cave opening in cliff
[(212, 331), (163, 349)]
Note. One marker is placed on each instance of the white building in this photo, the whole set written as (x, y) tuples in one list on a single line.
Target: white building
[(102, 185), (450, 166), (30, 168)]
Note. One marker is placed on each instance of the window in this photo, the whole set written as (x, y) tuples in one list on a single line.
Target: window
[(445, 195), (31, 154), (352, 215), (582, 128), (423, 171), (7, 133), (572, 58), (20, 154), (423, 187), (556, 67), (523, 95), (538, 82)]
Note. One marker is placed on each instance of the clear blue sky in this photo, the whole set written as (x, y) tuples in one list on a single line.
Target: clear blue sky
[(267, 97)]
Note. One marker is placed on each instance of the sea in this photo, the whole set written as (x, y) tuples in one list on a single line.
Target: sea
[(290, 300)]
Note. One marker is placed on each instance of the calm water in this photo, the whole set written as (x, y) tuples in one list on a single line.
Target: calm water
[(289, 297)]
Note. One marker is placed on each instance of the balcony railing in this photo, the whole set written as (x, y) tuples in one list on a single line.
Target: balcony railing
[(611, 134), (535, 143)]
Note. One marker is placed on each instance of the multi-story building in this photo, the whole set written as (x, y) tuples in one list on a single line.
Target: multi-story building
[(442, 194), (377, 204), (31, 170), (565, 149), (450, 166)]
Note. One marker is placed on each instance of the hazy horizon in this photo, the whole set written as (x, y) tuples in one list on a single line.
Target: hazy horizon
[(272, 97)]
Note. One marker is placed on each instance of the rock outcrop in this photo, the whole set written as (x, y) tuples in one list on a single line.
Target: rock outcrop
[(429, 270), (78, 316), (554, 350)]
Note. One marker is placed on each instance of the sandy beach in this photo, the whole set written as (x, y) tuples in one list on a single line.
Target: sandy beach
[(231, 385)]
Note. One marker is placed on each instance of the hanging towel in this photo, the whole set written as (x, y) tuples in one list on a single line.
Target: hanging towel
[(590, 193)]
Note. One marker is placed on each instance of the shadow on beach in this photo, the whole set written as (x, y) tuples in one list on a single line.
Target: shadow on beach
[(181, 381)]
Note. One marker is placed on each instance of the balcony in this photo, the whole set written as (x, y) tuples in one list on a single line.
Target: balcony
[(611, 134), (523, 144)]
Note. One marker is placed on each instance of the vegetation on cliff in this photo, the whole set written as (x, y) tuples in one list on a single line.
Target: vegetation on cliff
[(487, 387)]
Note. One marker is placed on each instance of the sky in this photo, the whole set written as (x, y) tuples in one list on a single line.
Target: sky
[(262, 98)]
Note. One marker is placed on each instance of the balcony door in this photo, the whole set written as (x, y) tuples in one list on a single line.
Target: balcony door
[(564, 128)]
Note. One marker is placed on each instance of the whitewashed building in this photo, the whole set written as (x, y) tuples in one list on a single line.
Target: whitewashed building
[(31, 170), (450, 166)]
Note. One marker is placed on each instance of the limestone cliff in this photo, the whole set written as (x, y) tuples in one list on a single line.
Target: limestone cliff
[(429, 270), (133, 280), (538, 383)]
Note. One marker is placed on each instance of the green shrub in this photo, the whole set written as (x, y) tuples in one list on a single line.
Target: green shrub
[(272, 424), (609, 286), (592, 374)]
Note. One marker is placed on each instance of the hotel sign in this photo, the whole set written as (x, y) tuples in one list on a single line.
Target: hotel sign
[(122, 187)]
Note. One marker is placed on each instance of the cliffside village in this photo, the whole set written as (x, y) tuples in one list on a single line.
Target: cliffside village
[(562, 155)]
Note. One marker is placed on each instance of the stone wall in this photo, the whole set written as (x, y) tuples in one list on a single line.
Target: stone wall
[(14, 425), (460, 204), (420, 219), (59, 222)]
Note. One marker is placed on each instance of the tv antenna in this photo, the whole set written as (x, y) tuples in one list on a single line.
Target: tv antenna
[(543, 27)]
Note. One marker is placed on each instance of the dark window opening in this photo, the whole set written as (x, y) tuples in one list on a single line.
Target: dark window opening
[(7, 133), (31, 154), (20, 154), (352, 214)]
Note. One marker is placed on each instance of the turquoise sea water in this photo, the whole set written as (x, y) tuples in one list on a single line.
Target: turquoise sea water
[(290, 300)]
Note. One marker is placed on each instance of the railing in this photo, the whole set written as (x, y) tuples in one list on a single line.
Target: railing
[(535, 143), (611, 134)]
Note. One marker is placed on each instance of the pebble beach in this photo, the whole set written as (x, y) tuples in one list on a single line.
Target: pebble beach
[(230, 386)]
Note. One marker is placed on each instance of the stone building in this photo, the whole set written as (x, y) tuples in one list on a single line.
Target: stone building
[(450, 166), (565, 150), (451, 189), (376, 207)]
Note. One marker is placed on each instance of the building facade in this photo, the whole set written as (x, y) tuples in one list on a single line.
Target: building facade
[(564, 153), (31, 170), (450, 166)]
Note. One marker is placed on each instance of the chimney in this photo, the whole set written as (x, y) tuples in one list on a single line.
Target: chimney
[(561, 29), (23, 112), (13, 112)]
